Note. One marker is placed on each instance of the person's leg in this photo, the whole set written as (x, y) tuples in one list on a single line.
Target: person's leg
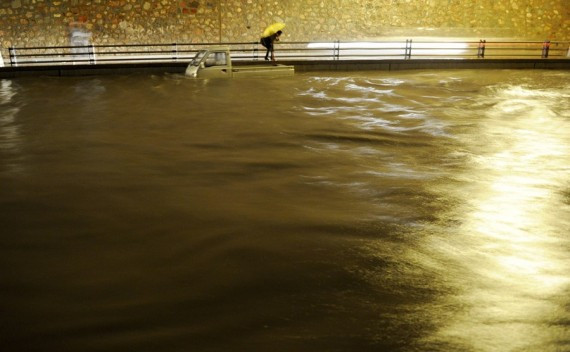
[(264, 44), (267, 45), (270, 50)]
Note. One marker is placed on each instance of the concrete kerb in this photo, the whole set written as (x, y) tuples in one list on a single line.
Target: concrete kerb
[(300, 66), (397, 65)]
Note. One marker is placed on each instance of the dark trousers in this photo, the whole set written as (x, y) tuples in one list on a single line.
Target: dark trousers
[(268, 44)]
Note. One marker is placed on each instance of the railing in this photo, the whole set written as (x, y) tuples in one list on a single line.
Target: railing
[(294, 51)]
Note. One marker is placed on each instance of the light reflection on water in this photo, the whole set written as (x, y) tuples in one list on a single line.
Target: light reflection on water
[(381, 211), (513, 271), (9, 127)]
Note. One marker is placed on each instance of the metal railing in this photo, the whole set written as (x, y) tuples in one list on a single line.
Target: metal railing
[(293, 51)]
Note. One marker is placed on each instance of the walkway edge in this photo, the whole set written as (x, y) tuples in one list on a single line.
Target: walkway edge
[(300, 66)]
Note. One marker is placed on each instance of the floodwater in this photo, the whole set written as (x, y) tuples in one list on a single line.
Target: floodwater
[(366, 211)]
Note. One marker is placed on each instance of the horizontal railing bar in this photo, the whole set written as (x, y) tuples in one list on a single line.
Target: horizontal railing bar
[(535, 55), (90, 46), (551, 50), (513, 42), (329, 56), (312, 42), (455, 55), (429, 48), (98, 60), (132, 45), (363, 48), (136, 59), (523, 47), (538, 57), (169, 53), (344, 42), (511, 48), (333, 50), (352, 49)]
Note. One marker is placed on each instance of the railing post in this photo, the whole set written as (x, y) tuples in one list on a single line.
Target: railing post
[(174, 52), (334, 50), (338, 50), (408, 50), (481, 49), (545, 49), (13, 57), (255, 52), (92, 59)]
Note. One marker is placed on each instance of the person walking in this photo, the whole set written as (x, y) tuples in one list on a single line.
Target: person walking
[(268, 43)]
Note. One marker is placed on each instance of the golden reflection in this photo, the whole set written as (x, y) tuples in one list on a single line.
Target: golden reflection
[(10, 134), (6, 91), (513, 271), (9, 131)]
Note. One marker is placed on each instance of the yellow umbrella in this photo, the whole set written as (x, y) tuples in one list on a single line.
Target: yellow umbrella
[(272, 29)]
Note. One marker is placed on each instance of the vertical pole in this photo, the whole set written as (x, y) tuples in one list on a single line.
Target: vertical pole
[(545, 49), (334, 50), (481, 49), (337, 50), (174, 52), (408, 50), (92, 56), (13, 57)]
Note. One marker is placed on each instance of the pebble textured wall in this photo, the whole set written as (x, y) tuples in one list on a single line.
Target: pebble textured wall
[(48, 22)]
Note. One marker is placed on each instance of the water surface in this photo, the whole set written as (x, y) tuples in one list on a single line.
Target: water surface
[(369, 211)]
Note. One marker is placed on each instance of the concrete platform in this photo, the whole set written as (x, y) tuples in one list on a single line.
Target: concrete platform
[(431, 64), (300, 66)]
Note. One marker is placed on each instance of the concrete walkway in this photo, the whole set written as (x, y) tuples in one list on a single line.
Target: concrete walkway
[(300, 66)]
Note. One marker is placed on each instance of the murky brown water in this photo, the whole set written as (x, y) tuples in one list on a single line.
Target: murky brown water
[(371, 211)]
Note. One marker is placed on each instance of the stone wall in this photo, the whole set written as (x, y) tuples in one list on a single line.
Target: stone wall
[(48, 22)]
